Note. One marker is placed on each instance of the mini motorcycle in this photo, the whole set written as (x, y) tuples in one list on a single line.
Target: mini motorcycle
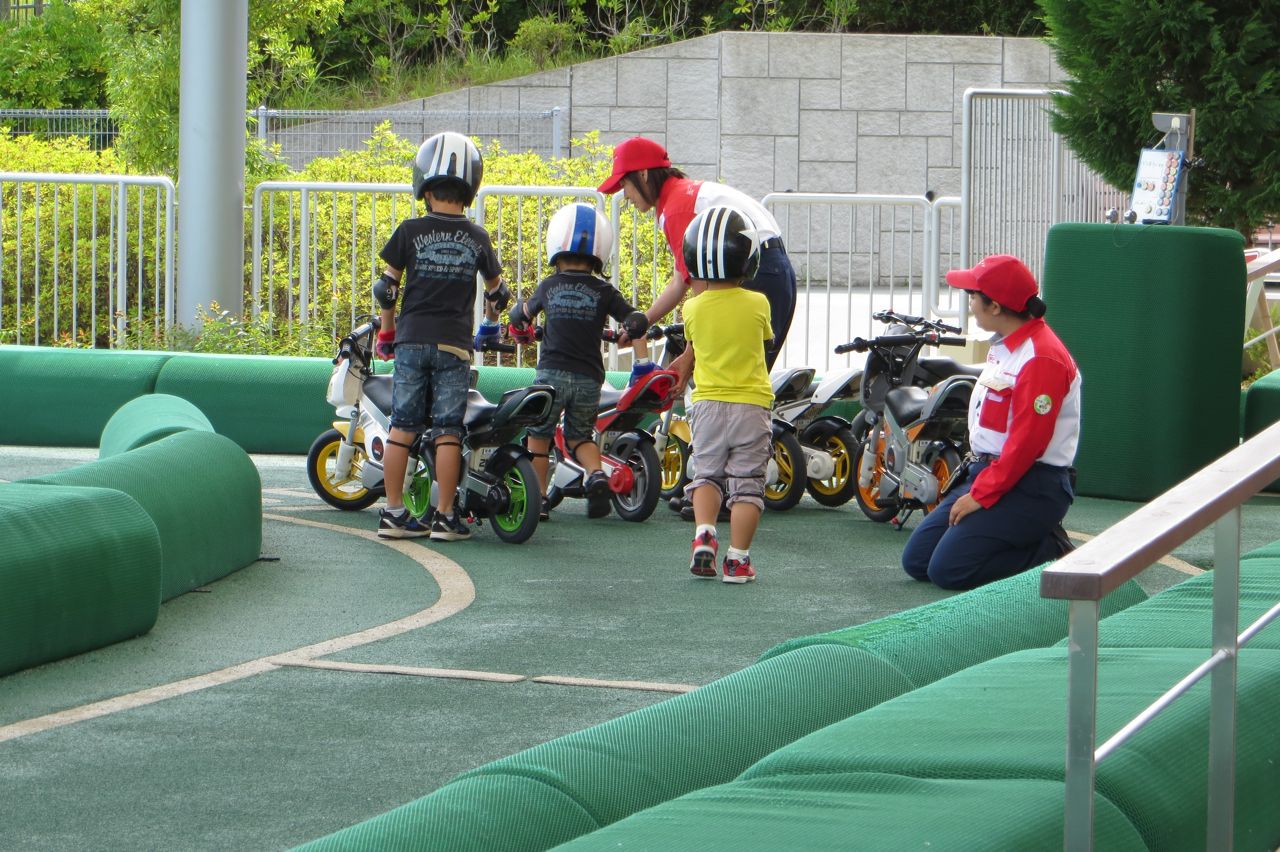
[(627, 450), (826, 439), (910, 441), (344, 464)]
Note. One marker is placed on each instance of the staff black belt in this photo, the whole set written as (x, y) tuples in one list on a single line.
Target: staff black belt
[(989, 457), (771, 243)]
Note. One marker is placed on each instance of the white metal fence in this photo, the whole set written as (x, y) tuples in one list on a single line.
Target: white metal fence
[(84, 256)]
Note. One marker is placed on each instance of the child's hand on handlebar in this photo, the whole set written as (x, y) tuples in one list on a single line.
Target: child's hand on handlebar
[(486, 334), (385, 347), (525, 335)]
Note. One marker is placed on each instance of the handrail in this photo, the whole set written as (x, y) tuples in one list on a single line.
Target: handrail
[(1084, 577), (1255, 273)]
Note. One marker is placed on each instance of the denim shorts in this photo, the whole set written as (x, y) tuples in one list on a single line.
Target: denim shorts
[(429, 381), (578, 396)]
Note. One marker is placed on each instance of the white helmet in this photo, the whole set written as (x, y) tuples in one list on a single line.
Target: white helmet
[(581, 230)]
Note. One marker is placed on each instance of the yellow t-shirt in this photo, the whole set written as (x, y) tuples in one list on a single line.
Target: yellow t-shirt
[(728, 329)]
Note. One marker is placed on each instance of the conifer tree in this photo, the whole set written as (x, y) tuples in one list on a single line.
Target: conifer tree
[(1129, 59)]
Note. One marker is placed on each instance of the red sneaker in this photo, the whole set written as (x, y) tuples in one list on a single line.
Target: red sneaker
[(704, 555), (736, 571)]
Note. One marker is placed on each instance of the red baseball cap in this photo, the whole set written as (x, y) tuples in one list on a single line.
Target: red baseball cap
[(632, 155), (1002, 277)]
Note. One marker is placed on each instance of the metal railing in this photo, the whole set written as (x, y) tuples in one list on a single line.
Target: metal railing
[(96, 125), (1018, 177), (108, 235), (1084, 577)]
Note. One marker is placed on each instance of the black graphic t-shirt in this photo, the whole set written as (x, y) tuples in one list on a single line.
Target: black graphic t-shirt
[(577, 305), (440, 255)]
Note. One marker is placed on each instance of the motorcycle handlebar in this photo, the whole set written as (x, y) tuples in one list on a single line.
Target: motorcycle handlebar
[(952, 341), (855, 345), (497, 346)]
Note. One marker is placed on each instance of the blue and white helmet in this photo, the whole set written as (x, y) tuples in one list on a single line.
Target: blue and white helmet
[(445, 157), (580, 230), (721, 244)]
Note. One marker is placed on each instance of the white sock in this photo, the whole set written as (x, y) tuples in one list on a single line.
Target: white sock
[(710, 528), (735, 553), (643, 361)]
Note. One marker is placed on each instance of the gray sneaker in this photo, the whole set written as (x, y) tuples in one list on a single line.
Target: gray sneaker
[(449, 528)]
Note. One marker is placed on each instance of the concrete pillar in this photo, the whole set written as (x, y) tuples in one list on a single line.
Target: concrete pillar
[(211, 139)]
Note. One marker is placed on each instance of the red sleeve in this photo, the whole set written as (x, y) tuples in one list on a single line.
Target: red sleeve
[(677, 213), (1030, 430)]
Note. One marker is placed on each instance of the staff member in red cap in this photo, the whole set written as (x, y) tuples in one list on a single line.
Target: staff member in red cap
[(1024, 425), (643, 171)]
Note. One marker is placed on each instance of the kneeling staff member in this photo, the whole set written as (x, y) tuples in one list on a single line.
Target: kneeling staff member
[(1024, 424)]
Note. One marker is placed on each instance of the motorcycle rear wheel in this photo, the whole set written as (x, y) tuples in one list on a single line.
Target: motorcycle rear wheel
[(840, 487), (785, 492), (517, 523), (867, 497), (638, 503), (349, 493), (944, 467)]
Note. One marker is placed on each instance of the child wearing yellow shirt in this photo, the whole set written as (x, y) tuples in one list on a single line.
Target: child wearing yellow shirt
[(727, 328)]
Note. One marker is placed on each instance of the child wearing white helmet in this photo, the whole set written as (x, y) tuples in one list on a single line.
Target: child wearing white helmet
[(431, 266), (577, 304)]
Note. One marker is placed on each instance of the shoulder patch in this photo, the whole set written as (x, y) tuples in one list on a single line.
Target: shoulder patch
[(1043, 404)]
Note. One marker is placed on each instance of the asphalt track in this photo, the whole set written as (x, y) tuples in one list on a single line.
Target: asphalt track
[(344, 675)]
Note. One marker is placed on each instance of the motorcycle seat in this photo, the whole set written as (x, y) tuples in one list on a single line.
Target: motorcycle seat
[(479, 409), (942, 367), (378, 389), (906, 404), (609, 396)]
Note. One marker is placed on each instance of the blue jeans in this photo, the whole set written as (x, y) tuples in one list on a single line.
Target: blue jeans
[(776, 279), (431, 381), (578, 396), (990, 544)]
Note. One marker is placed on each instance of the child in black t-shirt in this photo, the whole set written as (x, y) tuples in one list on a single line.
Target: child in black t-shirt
[(434, 260), (577, 304)]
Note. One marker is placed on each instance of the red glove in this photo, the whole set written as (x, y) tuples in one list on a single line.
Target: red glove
[(525, 336), (385, 348)]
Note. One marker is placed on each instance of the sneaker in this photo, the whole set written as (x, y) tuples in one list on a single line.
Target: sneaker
[(598, 491), (738, 571), (703, 563), (686, 510), (544, 514), (399, 525), (446, 528)]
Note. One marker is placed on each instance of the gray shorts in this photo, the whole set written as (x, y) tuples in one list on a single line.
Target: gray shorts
[(732, 442)]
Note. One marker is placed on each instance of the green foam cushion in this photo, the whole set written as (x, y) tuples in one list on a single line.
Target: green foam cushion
[(265, 404), (1262, 408), (1127, 300), (1181, 616), (66, 396), (469, 815), (149, 418), (662, 751), (203, 494), (862, 811), (94, 582), (986, 622), (1006, 718)]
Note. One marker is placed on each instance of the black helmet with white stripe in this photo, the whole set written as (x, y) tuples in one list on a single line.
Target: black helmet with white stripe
[(721, 244), (448, 157)]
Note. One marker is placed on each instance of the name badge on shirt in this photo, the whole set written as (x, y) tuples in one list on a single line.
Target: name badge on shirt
[(995, 383)]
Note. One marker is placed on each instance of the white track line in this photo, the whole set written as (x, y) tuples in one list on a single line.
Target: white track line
[(647, 686), (377, 668), (456, 594)]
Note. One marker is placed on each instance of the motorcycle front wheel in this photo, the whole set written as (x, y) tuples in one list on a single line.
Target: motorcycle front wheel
[(342, 492), (868, 497), (639, 455), (785, 492), (840, 487), (675, 468), (518, 521)]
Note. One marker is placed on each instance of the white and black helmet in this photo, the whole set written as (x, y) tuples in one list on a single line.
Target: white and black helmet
[(721, 244), (447, 157), (581, 230)]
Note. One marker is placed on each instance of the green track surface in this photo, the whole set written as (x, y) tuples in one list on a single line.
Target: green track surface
[(285, 756)]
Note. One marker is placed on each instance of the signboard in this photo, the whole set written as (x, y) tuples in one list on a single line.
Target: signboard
[(1155, 190)]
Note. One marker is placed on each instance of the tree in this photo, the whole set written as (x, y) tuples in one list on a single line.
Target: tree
[(1127, 60), (53, 61)]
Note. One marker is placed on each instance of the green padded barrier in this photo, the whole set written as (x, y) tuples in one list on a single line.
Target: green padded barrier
[(1182, 615), (1006, 718), (472, 813), (202, 492), (1152, 315), (1262, 408), (66, 396), (265, 404), (92, 581), (862, 811), (493, 382), (149, 418), (938, 638), (654, 754)]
